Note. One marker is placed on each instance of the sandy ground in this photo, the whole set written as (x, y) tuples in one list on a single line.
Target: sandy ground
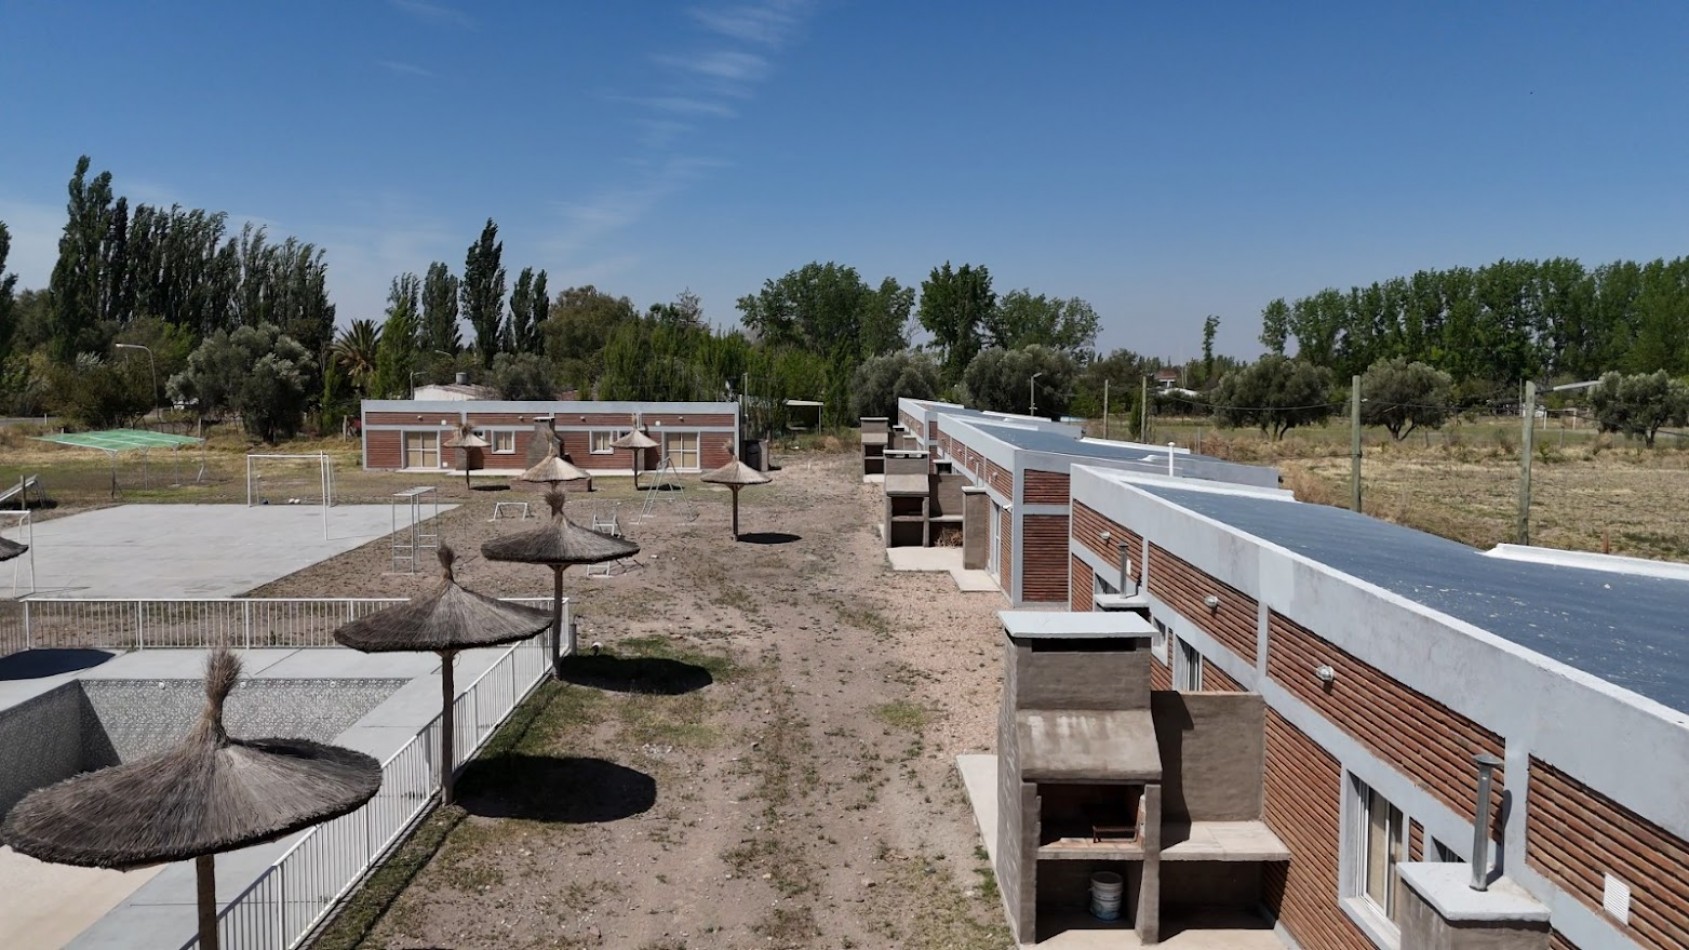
[(805, 797)]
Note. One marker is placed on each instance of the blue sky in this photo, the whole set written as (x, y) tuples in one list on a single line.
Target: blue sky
[(1163, 161)]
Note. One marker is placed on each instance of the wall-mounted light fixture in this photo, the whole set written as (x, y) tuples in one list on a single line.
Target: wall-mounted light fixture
[(1324, 673), (1104, 535), (682, 418), (1211, 602)]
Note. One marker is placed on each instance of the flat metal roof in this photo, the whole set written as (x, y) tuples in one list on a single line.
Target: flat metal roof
[(1133, 455), (1073, 626), (1628, 629)]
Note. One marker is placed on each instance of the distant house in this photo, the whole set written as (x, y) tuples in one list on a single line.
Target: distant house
[(454, 392), (1166, 378)]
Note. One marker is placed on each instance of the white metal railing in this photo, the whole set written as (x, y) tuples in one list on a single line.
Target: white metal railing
[(176, 622), (293, 896)]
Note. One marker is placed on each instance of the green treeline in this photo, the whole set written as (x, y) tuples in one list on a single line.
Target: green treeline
[(1490, 328)]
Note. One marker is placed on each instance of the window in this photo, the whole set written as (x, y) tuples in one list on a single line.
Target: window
[(602, 440), (681, 449), (1104, 587), (1158, 643), (1380, 847), (1187, 672), (504, 443), (422, 450)]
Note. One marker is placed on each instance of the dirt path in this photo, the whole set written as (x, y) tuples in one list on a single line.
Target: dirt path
[(805, 797)]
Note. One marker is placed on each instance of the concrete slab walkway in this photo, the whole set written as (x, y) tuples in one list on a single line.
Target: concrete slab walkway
[(942, 559), (193, 550)]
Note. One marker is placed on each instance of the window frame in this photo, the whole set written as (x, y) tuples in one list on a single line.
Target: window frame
[(1381, 918), (1187, 668), (608, 449), (504, 435)]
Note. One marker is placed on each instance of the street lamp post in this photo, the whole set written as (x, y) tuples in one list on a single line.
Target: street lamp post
[(152, 366), (1032, 395)]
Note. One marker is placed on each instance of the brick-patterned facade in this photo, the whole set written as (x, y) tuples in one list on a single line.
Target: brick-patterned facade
[(1559, 941), (1082, 584), (1043, 558), (1416, 734), (1574, 835), (1302, 795), (384, 434), (1088, 527), (1183, 588), (1044, 488), (1415, 841), (998, 478), (1160, 674), (1005, 547), (1216, 680)]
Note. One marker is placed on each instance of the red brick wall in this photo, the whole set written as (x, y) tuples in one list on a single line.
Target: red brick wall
[(1574, 835), (1302, 791), (998, 477), (1160, 674), (1415, 841), (1216, 680), (1081, 586), (1411, 731), (1043, 551), (714, 451), (914, 425), (1558, 941), (384, 448), (1183, 588), (1044, 488), (676, 420), (1088, 526)]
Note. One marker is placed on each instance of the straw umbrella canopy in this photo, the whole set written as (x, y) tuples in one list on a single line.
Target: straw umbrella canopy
[(209, 794), (637, 442), (735, 475), (445, 620), (558, 545), (554, 473), (468, 441), (11, 549)]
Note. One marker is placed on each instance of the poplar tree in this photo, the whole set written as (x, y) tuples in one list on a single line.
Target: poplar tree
[(439, 310), (483, 292)]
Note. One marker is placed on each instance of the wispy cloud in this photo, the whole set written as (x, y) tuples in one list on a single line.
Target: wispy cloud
[(403, 69), (732, 57), (434, 13), (768, 24)]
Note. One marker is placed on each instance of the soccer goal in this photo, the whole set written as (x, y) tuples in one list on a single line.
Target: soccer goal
[(306, 480)]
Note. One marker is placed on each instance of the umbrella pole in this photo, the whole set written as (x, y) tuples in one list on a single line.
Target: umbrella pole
[(205, 873), (557, 621), (635, 461), (447, 763), (735, 513)]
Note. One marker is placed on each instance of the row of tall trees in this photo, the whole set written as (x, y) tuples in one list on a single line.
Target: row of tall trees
[(1498, 324)]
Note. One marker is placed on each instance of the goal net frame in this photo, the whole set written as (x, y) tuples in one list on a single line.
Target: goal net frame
[(325, 478)]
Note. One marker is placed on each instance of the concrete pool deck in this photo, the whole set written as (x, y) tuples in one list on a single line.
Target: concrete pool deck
[(194, 550), (105, 910)]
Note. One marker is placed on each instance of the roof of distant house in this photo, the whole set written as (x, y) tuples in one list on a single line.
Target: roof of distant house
[(468, 390)]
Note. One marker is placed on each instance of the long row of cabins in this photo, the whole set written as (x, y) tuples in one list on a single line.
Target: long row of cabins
[(1235, 699)]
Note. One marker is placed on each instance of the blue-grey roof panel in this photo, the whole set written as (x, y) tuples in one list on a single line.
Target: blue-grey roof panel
[(1630, 630), (1136, 457)]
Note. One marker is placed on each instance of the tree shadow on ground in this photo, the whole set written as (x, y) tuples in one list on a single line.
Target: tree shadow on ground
[(490, 488), (570, 790), (769, 537), (651, 675), (35, 664)]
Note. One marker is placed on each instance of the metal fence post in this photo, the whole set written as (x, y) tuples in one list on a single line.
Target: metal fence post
[(281, 907), (28, 630), (140, 625), (246, 619)]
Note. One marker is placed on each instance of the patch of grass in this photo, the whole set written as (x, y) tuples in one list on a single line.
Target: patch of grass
[(903, 714), (380, 892)]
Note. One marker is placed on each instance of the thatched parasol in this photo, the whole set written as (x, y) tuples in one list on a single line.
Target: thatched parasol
[(638, 442), (553, 472), (11, 549), (468, 441), (445, 621), (558, 545), (735, 475), (209, 794)]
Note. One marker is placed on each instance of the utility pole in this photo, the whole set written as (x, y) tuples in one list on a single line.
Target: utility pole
[(1105, 409), (1143, 414), (1032, 395), (1525, 452), (1355, 444)]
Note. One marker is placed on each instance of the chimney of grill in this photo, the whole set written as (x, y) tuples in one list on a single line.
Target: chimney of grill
[(1487, 764), (462, 379)]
